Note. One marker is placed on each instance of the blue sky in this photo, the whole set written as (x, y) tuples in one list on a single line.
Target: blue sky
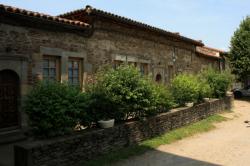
[(212, 21)]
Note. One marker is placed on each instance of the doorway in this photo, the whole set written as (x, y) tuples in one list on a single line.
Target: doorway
[(9, 99)]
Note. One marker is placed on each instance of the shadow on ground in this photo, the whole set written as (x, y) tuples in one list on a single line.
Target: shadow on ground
[(243, 99), (141, 155), (7, 155), (159, 158), (152, 157)]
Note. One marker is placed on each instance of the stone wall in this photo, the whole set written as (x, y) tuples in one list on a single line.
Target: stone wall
[(110, 40), (87, 145), (33, 43), (201, 62), (23, 47)]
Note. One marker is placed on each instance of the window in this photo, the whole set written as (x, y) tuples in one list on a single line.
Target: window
[(144, 68), (132, 64), (75, 71), (51, 66), (116, 64)]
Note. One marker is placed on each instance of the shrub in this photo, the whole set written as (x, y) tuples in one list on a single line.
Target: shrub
[(185, 88), (124, 93), (99, 105), (219, 82), (163, 98), (54, 108), (204, 90)]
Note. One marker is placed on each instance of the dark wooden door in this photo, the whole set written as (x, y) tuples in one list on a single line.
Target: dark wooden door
[(9, 97)]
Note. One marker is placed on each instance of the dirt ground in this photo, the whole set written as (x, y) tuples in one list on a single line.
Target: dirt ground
[(228, 144)]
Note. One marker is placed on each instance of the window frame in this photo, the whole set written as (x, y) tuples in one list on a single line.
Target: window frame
[(145, 67), (57, 67), (80, 70), (117, 63)]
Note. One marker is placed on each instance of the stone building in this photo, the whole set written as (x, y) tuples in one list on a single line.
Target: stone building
[(72, 46)]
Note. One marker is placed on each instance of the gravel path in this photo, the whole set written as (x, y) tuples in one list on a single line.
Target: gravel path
[(227, 145)]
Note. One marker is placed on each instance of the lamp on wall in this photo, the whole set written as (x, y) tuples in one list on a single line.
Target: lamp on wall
[(173, 55)]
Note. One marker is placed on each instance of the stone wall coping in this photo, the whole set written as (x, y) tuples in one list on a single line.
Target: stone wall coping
[(40, 143), (91, 143)]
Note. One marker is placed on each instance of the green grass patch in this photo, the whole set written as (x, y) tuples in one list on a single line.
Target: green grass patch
[(170, 137)]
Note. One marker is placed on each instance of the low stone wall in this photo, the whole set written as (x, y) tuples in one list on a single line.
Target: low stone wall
[(65, 151)]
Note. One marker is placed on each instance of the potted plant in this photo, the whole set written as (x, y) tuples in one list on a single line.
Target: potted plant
[(101, 109), (206, 99), (189, 104), (106, 123), (106, 119)]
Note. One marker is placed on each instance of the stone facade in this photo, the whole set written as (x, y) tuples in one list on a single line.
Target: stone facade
[(27, 37), (111, 42), (87, 145), (166, 54), (23, 47)]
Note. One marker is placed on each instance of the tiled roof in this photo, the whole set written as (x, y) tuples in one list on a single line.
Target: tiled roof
[(10, 9), (214, 49), (90, 10), (209, 52)]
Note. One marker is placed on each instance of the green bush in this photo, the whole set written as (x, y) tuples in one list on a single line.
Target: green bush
[(124, 93), (164, 100), (205, 90), (185, 88), (99, 105), (219, 82), (54, 108)]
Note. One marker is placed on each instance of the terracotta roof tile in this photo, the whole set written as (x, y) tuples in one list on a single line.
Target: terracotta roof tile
[(91, 10), (214, 49), (24, 12), (209, 52)]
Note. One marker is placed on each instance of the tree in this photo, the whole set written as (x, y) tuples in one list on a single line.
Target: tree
[(239, 55)]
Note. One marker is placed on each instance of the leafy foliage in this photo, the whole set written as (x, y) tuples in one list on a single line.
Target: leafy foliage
[(205, 91), (54, 108), (124, 93), (240, 50), (163, 98), (219, 82), (185, 88)]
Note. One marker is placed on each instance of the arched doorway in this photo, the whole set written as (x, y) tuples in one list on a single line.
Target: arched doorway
[(9, 98), (158, 78)]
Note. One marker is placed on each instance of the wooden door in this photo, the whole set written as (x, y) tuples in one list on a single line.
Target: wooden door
[(9, 97)]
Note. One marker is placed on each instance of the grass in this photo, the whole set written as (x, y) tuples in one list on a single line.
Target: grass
[(170, 137)]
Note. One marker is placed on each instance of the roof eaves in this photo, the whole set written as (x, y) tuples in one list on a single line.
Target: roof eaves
[(90, 10), (41, 16), (203, 52), (214, 49)]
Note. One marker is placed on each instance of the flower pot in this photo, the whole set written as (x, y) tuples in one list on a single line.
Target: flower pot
[(189, 104), (106, 123), (206, 99)]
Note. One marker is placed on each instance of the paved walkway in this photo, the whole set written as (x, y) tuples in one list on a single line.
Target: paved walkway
[(227, 145), (6, 155)]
